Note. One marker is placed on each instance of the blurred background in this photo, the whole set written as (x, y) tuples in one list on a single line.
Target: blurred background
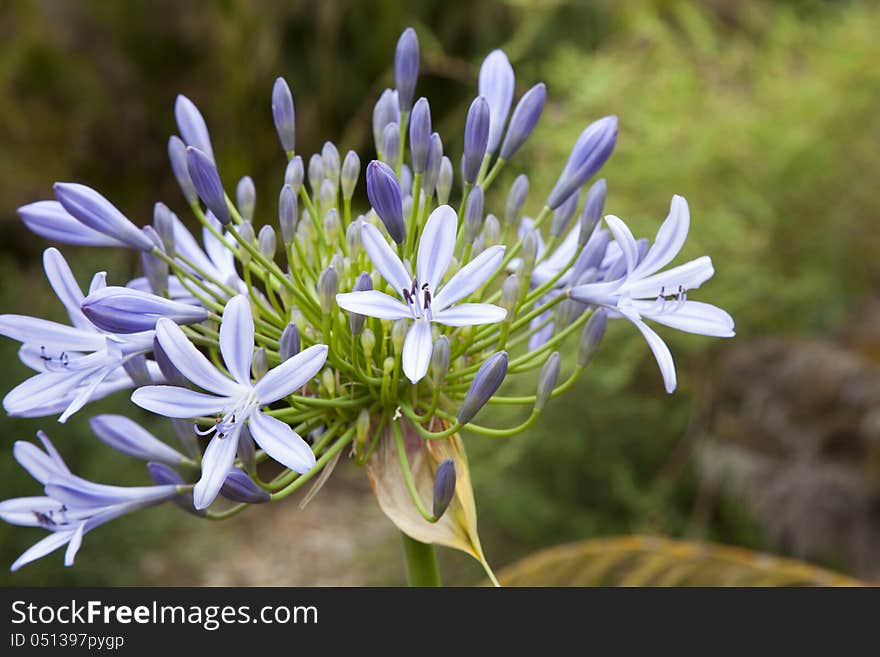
[(765, 115)]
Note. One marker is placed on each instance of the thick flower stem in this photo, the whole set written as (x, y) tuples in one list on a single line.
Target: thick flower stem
[(421, 563)]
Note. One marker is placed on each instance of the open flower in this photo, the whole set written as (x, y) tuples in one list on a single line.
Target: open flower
[(235, 400), (423, 299), (71, 506), (661, 296)]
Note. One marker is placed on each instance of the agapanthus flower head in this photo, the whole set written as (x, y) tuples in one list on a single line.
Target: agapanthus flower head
[(290, 336)]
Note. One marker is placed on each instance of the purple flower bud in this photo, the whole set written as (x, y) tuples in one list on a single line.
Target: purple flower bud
[(328, 286), (163, 221), (289, 343), (288, 214), (177, 157), (444, 486), (590, 257), (162, 475), (491, 230), (260, 363), (239, 487), (128, 437), (351, 169), (476, 136), (155, 269), (267, 242), (192, 127), (385, 111), (592, 336), (246, 197), (485, 384), (284, 115), (49, 219), (432, 167), (592, 211), (547, 380), (563, 214), (353, 238), (524, 119), (363, 283), (169, 371), (125, 310), (440, 360), (530, 249), (383, 191), (94, 211), (473, 214), (246, 233), (294, 174), (391, 145), (420, 134), (406, 67), (330, 162), (444, 180), (327, 195), (590, 152), (516, 199), (496, 86), (316, 174), (206, 180), (510, 291)]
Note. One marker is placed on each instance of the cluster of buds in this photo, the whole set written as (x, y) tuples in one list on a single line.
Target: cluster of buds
[(325, 333)]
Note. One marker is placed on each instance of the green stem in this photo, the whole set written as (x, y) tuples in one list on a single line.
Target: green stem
[(421, 563)]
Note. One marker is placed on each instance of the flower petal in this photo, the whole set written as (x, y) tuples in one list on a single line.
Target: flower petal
[(23, 511), (625, 240), (384, 258), (35, 461), (436, 245), (41, 548), (66, 288), (217, 461), (52, 335), (237, 338), (190, 361), (127, 436), (660, 350), (470, 314), (670, 238), (690, 316), (417, 349), (688, 276), (281, 442), (373, 303), (293, 373), (469, 278), (172, 401)]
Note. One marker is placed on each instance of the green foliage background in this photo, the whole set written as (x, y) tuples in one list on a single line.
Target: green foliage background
[(766, 116)]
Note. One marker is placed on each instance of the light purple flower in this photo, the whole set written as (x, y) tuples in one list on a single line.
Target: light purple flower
[(591, 150), (126, 310), (235, 400), (476, 137), (406, 67), (284, 115), (206, 180), (643, 291), (424, 299), (71, 506), (94, 211), (191, 125), (49, 219), (524, 119), (496, 84), (383, 190), (127, 436)]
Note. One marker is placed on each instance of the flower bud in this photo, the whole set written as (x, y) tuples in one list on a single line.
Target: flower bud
[(590, 152), (169, 371), (284, 115), (163, 221), (137, 370), (289, 343), (383, 191), (192, 127), (316, 174), (126, 310), (485, 384), (246, 232), (328, 286), (363, 283), (328, 194), (444, 486), (246, 197), (444, 181), (524, 119), (328, 380), (353, 239), (260, 363), (476, 136), (385, 111), (496, 83), (330, 161), (406, 67), (547, 380), (267, 242), (432, 167), (473, 214), (351, 169), (162, 475), (155, 269), (530, 250), (177, 157), (440, 360), (206, 180), (391, 145), (93, 210), (294, 174), (332, 225), (592, 211), (491, 230), (420, 134), (510, 291), (398, 334), (288, 213), (368, 342), (563, 214), (516, 199), (362, 429), (406, 180), (239, 487), (592, 336)]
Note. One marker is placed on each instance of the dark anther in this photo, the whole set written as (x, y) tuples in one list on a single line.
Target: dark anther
[(43, 355), (65, 359), (427, 298), (407, 296)]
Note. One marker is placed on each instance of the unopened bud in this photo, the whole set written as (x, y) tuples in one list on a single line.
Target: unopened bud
[(530, 250), (547, 380), (353, 239), (516, 199), (363, 283), (432, 168), (332, 225), (328, 380), (368, 342), (592, 336), (473, 214), (330, 160), (239, 487), (440, 360), (485, 384), (444, 487), (491, 230), (592, 212), (260, 364), (163, 221), (246, 197), (288, 213), (328, 286), (351, 169), (316, 174), (294, 174), (267, 241), (398, 334), (444, 181), (246, 232), (563, 214), (289, 343), (362, 429), (391, 145), (510, 291)]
